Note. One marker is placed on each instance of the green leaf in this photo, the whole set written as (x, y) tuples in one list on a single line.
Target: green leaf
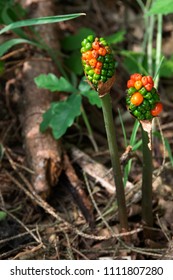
[(61, 115), (53, 83), (73, 62), (132, 61), (10, 43), (92, 95), (3, 215), (166, 69), (161, 7), (1, 151), (38, 21), (73, 42), (83, 85), (116, 38)]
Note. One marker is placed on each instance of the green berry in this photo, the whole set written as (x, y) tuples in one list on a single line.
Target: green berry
[(84, 42), (96, 77), (103, 79), (90, 38), (131, 90), (143, 91), (88, 46)]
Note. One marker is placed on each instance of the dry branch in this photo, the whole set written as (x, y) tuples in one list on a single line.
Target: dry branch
[(43, 152)]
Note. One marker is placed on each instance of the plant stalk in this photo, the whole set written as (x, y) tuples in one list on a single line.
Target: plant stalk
[(89, 129), (113, 149), (147, 215)]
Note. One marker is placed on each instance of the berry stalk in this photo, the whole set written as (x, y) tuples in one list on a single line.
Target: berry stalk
[(99, 69), (143, 102), (113, 149), (147, 170)]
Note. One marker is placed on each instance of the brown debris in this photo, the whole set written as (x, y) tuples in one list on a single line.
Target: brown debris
[(43, 152)]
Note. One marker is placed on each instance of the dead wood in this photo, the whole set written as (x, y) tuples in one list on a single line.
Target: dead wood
[(74, 186), (99, 173), (43, 152)]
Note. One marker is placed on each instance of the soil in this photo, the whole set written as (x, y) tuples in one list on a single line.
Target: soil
[(77, 216)]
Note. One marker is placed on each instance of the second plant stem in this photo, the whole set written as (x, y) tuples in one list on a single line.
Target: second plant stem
[(147, 215), (113, 148)]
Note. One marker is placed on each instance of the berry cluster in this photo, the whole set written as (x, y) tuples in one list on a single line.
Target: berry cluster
[(142, 99), (97, 60)]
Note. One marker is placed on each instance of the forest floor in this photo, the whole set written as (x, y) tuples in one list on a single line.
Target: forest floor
[(79, 217)]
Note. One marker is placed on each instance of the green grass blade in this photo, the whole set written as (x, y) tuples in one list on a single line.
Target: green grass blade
[(10, 43), (133, 135), (38, 21), (123, 128)]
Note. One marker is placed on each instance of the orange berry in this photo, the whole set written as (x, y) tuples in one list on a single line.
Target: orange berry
[(136, 77), (99, 64), (95, 45), (130, 83), (148, 87), (144, 80), (92, 62), (136, 99), (102, 51), (138, 85), (88, 55), (97, 71), (157, 109), (150, 80), (95, 53)]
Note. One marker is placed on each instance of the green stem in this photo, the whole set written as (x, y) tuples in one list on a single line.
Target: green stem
[(158, 48), (150, 45), (147, 215), (90, 132), (112, 143)]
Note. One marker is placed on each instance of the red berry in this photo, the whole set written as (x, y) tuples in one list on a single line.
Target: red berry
[(148, 87), (99, 65), (157, 109), (130, 83), (136, 77), (144, 80), (95, 45), (150, 80), (102, 51), (95, 53)]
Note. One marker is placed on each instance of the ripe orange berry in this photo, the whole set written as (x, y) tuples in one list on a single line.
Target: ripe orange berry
[(157, 109), (102, 51), (130, 83), (88, 55), (136, 98), (95, 53), (150, 80), (95, 45), (97, 71), (144, 80), (99, 65), (148, 87), (136, 77), (138, 84), (92, 62)]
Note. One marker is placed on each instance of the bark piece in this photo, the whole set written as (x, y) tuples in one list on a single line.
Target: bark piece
[(43, 152), (95, 170), (74, 186)]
